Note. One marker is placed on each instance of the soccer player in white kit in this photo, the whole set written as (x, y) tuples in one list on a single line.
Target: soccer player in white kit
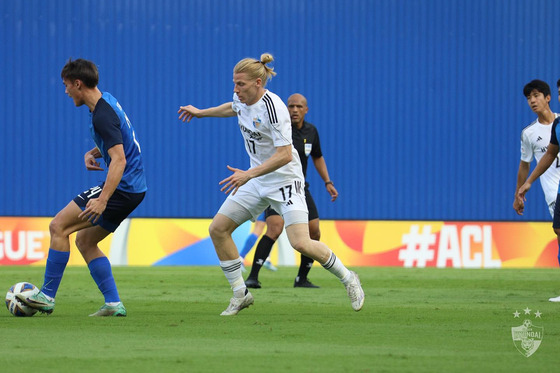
[(534, 143), (275, 178), (538, 97)]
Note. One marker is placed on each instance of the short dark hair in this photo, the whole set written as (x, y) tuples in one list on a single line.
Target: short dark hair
[(539, 85), (81, 69), (558, 83)]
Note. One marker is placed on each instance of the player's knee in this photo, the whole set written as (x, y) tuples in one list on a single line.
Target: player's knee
[(314, 229), (274, 231), (217, 230), (315, 234), (80, 244), (302, 245), (273, 236), (56, 228), (212, 230), (274, 226)]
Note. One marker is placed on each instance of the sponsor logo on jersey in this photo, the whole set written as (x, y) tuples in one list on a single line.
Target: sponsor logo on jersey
[(252, 134)]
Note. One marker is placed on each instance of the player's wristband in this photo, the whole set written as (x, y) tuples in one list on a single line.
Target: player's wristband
[(329, 182)]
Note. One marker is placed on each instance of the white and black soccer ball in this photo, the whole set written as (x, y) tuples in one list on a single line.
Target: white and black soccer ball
[(14, 305)]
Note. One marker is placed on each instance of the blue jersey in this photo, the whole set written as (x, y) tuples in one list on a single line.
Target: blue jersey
[(109, 127)]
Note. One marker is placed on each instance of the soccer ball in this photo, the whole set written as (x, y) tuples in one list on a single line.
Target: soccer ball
[(14, 305)]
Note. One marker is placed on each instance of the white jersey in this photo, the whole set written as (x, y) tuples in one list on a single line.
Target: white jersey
[(266, 125), (534, 142)]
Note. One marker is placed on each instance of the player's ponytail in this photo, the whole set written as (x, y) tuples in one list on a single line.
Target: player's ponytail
[(256, 69)]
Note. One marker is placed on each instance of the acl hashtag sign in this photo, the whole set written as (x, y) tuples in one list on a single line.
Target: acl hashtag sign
[(417, 247), (458, 246)]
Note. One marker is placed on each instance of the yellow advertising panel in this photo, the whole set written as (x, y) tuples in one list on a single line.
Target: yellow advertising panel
[(25, 241), (442, 244), (158, 241)]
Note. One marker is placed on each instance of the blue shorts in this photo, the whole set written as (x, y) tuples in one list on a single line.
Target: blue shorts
[(119, 206)]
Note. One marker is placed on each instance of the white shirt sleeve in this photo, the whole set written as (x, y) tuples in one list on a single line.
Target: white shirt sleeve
[(527, 153), (281, 130)]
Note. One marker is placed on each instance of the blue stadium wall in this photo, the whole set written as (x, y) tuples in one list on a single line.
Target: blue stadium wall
[(419, 103)]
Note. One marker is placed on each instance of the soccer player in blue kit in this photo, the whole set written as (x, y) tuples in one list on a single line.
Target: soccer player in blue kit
[(98, 211)]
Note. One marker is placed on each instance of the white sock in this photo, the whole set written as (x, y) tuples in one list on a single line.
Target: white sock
[(335, 266), (232, 271)]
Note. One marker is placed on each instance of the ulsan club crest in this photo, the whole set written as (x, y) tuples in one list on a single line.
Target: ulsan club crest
[(257, 122), (527, 337)]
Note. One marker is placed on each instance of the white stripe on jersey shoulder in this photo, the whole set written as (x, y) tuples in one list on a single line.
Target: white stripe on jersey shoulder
[(270, 108), (556, 115), (530, 125)]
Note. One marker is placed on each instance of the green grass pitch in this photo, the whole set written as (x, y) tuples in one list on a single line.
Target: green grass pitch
[(413, 320)]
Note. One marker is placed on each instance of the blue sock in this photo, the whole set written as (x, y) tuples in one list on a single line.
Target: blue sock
[(56, 263), (100, 270), (249, 242)]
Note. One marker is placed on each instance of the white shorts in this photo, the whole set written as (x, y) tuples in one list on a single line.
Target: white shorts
[(253, 198)]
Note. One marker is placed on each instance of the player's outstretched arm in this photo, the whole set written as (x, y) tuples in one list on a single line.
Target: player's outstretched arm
[(186, 113)]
